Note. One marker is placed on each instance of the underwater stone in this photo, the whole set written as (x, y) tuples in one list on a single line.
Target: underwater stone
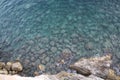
[(41, 51), (89, 46), (47, 59), (37, 61), (41, 67), (52, 43), (54, 49)]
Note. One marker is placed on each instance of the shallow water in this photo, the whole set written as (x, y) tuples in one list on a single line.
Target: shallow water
[(39, 31)]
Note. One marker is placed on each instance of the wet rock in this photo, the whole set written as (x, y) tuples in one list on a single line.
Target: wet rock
[(45, 40), (17, 66), (89, 46), (47, 59), (41, 67), (2, 65), (52, 43), (71, 76), (54, 49), (80, 70), (99, 66), (12, 72), (43, 62), (37, 61), (41, 51), (66, 54), (36, 73), (9, 65), (4, 71)]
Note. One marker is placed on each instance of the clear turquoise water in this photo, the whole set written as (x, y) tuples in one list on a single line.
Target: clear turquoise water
[(44, 28)]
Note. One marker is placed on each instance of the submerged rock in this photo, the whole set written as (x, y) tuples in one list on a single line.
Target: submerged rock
[(41, 67), (89, 46)]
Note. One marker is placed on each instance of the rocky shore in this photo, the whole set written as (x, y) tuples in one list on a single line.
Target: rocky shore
[(94, 68)]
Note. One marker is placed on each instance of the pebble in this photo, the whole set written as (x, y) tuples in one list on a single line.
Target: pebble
[(89, 46), (43, 62), (47, 59), (41, 67), (17, 66), (36, 73), (2, 64), (37, 61), (54, 49), (3, 72), (52, 43), (9, 65), (41, 51)]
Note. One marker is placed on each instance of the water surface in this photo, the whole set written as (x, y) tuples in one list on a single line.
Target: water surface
[(40, 31)]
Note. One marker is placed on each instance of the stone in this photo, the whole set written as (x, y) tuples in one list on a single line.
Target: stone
[(36, 73), (12, 72), (47, 59), (66, 51), (54, 49), (98, 66), (9, 65), (37, 61), (89, 46), (41, 67), (66, 54), (4, 71), (43, 62), (2, 65), (52, 43), (80, 70), (17, 66)]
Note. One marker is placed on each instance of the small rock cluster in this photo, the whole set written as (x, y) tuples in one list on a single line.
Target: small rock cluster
[(10, 67)]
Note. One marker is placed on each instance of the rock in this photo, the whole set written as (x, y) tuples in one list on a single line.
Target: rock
[(17, 66), (72, 76), (2, 65), (12, 72), (62, 74), (53, 49), (59, 76), (36, 73), (47, 59), (9, 65), (4, 71), (89, 46), (41, 67), (80, 70), (112, 76), (66, 53), (98, 66), (52, 43)]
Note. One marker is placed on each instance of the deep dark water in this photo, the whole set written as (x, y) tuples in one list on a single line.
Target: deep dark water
[(40, 31)]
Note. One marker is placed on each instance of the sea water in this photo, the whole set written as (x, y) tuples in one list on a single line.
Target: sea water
[(40, 31)]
